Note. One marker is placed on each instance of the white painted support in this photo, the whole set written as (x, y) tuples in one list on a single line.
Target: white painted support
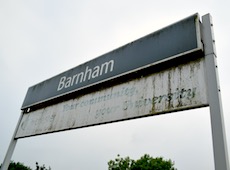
[(214, 97), (11, 147)]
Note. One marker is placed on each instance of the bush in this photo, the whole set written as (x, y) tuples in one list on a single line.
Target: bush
[(144, 163)]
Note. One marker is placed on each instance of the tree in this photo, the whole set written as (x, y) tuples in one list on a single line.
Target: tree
[(17, 166), (20, 166), (41, 167), (120, 163), (144, 163)]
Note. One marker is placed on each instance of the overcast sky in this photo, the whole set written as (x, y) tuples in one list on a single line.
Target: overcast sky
[(40, 39)]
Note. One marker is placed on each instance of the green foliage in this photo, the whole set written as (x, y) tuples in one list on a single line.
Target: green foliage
[(120, 163), (144, 163), (17, 166), (20, 166), (41, 167)]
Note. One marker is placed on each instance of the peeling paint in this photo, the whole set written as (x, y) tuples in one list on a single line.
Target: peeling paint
[(173, 89)]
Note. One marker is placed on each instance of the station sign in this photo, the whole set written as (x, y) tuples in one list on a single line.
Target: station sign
[(177, 88), (167, 71), (173, 41)]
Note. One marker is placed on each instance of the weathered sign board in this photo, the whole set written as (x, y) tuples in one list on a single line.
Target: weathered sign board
[(176, 88), (172, 87), (166, 71), (173, 41)]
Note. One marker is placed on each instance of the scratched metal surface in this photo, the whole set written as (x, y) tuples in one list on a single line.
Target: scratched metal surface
[(174, 89)]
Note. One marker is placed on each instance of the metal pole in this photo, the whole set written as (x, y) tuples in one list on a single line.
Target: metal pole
[(214, 97), (11, 147)]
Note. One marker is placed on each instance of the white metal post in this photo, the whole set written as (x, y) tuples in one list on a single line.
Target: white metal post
[(11, 147), (214, 97)]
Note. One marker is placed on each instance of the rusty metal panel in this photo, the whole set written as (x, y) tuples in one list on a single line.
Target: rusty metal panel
[(173, 89)]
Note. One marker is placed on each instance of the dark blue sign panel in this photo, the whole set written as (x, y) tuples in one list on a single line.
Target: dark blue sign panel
[(173, 41)]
